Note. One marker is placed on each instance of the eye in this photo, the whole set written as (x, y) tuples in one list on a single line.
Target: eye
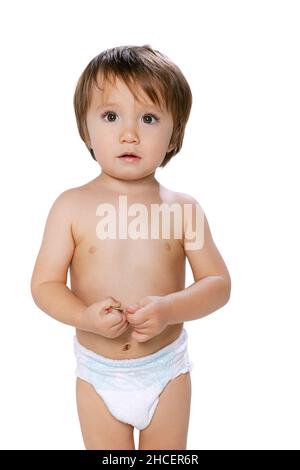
[(112, 113), (151, 116), (108, 113)]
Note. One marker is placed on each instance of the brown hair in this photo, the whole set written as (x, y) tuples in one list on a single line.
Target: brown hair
[(152, 71)]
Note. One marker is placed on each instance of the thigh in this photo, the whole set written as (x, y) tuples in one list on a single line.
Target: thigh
[(100, 430), (168, 428)]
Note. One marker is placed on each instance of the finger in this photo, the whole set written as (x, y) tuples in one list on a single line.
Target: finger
[(143, 327), (112, 302), (133, 308), (119, 329), (130, 309), (118, 308), (138, 318), (113, 306), (124, 326), (140, 337), (115, 317), (133, 320), (141, 303)]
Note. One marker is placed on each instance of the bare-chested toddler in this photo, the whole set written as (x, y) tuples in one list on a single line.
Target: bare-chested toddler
[(125, 239)]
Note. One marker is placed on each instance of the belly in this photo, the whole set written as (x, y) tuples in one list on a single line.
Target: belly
[(124, 347), (128, 279)]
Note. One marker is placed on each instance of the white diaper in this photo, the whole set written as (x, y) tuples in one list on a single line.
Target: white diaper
[(130, 388)]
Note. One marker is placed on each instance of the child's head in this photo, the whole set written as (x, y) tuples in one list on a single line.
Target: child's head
[(142, 83)]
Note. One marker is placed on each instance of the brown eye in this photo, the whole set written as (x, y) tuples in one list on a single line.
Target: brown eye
[(150, 116), (108, 113)]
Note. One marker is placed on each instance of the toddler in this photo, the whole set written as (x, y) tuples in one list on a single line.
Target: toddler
[(125, 239)]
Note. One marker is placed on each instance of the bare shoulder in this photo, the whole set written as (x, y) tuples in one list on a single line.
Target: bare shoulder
[(184, 198), (71, 199), (177, 197), (66, 198), (199, 246), (194, 218)]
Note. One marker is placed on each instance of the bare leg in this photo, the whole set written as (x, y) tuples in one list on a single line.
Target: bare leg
[(168, 428), (100, 430)]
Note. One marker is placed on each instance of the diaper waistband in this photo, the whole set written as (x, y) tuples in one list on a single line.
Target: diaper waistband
[(178, 344)]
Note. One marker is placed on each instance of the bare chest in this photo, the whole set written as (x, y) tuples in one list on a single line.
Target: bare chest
[(128, 257)]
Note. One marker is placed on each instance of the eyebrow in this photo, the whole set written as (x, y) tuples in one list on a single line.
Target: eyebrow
[(105, 105)]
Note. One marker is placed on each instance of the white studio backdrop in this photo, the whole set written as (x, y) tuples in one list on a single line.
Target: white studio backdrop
[(239, 160)]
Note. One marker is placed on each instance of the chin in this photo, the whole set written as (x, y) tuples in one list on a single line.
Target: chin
[(124, 175)]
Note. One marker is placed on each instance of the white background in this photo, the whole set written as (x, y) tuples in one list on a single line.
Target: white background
[(239, 160)]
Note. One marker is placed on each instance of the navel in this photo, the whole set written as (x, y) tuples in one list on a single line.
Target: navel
[(126, 346)]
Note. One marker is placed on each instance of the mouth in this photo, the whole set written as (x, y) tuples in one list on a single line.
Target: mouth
[(129, 157)]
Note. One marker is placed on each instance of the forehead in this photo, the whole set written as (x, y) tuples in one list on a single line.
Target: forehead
[(118, 92)]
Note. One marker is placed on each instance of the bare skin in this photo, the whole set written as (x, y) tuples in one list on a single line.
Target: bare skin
[(126, 269), (124, 272), (100, 430), (113, 267), (168, 428)]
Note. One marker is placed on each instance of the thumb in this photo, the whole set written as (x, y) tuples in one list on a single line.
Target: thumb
[(111, 302), (114, 302), (133, 308)]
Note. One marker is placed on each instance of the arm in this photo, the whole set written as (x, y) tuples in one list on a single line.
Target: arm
[(212, 286), (48, 282)]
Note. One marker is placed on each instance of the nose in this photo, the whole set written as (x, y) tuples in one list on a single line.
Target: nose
[(129, 137), (129, 134)]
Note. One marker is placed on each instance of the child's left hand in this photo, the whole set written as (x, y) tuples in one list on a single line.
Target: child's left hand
[(149, 316)]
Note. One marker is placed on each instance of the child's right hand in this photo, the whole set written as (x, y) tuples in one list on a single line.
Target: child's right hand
[(97, 318)]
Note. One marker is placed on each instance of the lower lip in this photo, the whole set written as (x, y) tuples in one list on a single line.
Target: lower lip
[(130, 159)]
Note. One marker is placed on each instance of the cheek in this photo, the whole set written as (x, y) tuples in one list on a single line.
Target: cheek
[(96, 128), (156, 136), (103, 137)]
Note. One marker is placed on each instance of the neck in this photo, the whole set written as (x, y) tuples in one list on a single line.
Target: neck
[(127, 186)]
